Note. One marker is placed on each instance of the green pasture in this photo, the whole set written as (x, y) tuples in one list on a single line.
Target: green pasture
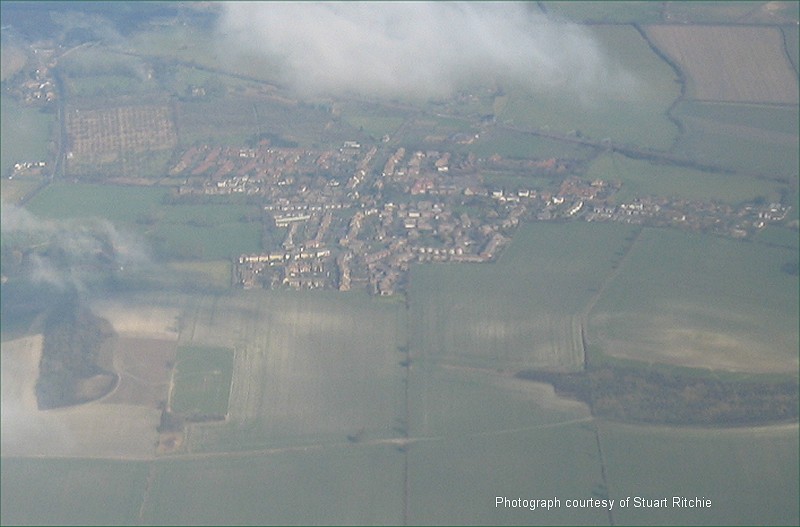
[(343, 484), (523, 311), (71, 491), (202, 380), (186, 43), (117, 204), (776, 235), (752, 139), (193, 232), (214, 273), (310, 366), (519, 145), (700, 300), (106, 86), (456, 481), (25, 132), (606, 12), (373, 120), (223, 122), (205, 242), (749, 474), (754, 117), (712, 12), (628, 109), (238, 121), (643, 178)]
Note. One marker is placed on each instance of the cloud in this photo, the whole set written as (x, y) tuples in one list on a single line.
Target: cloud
[(426, 49)]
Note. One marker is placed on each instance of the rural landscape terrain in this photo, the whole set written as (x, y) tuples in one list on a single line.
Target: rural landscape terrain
[(404, 263)]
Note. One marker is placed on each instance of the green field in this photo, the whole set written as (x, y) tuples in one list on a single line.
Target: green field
[(202, 381), (642, 178), (204, 232), (633, 112), (774, 235), (81, 200), (750, 474), (48, 491), (754, 139), (512, 144), (606, 12), (310, 366), (525, 310), (26, 134), (341, 484), (700, 300)]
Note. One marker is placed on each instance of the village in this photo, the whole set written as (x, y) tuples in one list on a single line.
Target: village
[(346, 220)]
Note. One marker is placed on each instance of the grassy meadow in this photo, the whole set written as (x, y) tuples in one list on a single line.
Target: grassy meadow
[(26, 134), (71, 491), (182, 232), (633, 112), (643, 178), (751, 139), (749, 474), (202, 380)]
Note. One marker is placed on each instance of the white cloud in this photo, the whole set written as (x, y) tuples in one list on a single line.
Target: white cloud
[(423, 48)]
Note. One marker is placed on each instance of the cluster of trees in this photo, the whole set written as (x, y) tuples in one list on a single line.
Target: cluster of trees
[(640, 395), (72, 340)]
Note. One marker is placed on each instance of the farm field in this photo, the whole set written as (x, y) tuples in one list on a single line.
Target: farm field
[(26, 134), (752, 139), (371, 119), (750, 474), (726, 63), (606, 12), (512, 144), (721, 304), (202, 381), (84, 200), (773, 235), (347, 408), (71, 491), (523, 311), (309, 367), (193, 232), (339, 484), (642, 178), (632, 109)]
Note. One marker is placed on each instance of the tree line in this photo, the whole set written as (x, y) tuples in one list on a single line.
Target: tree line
[(638, 395)]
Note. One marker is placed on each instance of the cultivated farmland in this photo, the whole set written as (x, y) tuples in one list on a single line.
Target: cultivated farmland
[(523, 311), (727, 63), (749, 474), (117, 138), (202, 381), (709, 302), (642, 178), (305, 368)]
